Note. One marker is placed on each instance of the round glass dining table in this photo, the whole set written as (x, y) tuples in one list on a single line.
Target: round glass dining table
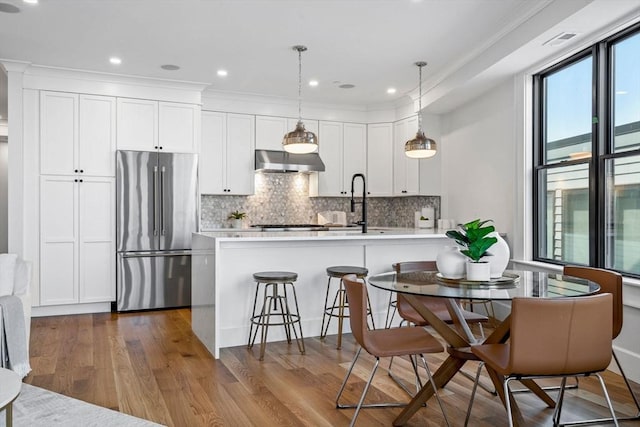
[(512, 284)]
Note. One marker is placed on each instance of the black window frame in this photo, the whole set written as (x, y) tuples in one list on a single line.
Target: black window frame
[(602, 147)]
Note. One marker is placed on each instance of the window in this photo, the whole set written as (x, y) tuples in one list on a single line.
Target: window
[(587, 157)]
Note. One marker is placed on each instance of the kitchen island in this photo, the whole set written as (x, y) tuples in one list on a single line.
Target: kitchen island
[(223, 264)]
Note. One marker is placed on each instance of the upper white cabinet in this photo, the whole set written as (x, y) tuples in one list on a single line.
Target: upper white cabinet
[(380, 159), (406, 171), (227, 153), (77, 134), (343, 150), (179, 127), (151, 125), (270, 131)]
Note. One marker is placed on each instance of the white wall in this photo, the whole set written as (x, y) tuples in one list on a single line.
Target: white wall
[(4, 203), (478, 150)]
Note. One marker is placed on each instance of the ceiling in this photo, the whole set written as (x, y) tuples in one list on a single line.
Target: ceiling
[(371, 44)]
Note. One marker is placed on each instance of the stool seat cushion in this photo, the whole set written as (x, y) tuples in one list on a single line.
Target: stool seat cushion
[(341, 270), (275, 276)]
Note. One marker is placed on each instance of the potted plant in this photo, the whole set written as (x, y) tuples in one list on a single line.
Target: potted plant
[(236, 218), (473, 237)]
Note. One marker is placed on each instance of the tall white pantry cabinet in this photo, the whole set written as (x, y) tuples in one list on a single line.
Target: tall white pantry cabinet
[(77, 198)]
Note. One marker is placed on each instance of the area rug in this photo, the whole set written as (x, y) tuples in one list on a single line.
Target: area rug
[(37, 407)]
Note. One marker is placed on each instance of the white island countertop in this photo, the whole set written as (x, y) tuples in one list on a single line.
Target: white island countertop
[(224, 261), (346, 233)]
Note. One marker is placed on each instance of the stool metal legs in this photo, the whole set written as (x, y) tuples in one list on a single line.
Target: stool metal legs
[(276, 304), (340, 303)]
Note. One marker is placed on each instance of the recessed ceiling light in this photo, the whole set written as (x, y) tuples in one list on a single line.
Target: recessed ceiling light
[(222, 73), (313, 83), (31, 1), (115, 60), (169, 67), (347, 86), (391, 90)]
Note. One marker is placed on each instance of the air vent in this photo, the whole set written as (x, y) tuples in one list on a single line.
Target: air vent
[(561, 38)]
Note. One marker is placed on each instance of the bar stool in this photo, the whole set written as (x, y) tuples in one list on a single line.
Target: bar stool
[(340, 302), (275, 303)]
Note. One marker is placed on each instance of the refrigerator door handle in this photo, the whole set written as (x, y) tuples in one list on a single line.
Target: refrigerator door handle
[(147, 254), (162, 228), (155, 200)]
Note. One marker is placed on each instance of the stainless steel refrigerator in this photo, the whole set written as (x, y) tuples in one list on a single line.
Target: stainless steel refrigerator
[(157, 210)]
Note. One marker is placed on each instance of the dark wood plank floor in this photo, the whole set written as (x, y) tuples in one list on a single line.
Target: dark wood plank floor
[(152, 366)]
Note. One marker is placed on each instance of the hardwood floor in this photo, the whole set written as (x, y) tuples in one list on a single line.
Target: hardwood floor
[(152, 366)]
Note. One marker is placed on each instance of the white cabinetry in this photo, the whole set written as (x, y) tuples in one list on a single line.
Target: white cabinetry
[(380, 159), (77, 239), (77, 134), (343, 150), (227, 153), (406, 171), (77, 198), (151, 125)]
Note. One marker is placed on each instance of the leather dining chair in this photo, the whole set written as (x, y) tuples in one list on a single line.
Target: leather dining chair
[(383, 343), (610, 282), (553, 337), (436, 305)]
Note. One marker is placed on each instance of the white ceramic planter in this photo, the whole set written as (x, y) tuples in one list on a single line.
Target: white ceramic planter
[(479, 271), (499, 257), (425, 223), (236, 223), (451, 263)]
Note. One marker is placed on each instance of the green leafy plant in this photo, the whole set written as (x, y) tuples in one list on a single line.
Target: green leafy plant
[(423, 218), (473, 237), (237, 215)]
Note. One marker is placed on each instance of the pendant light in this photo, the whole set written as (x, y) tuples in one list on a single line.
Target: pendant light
[(300, 140), (420, 147)]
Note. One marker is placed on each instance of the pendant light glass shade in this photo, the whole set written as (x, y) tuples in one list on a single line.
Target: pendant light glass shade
[(420, 147), (300, 140)]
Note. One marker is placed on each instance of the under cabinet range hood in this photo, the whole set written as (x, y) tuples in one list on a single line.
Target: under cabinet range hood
[(281, 161)]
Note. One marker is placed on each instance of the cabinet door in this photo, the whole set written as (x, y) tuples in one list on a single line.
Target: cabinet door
[(137, 124), (240, 157), (58, 240), (406, 171), (270, 131), (96, 231), (354, 153), (97, 135), (179, 127), (380, 159), (330, 182), (58, 132), (212, 153)]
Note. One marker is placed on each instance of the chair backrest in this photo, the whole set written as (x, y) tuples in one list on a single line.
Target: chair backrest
[(404, 308), (357, 296), (610, 283), (409, 266), (560, 336)]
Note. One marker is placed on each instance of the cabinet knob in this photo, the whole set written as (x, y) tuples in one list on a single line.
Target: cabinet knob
[(76, 170), (80, 180), (404, 191), (161, 147), (81, 171), (75, 180)]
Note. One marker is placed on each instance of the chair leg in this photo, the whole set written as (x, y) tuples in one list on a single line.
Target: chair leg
[(558, 411), (435, 389), (608, 420), (473, 393), (346, 377), (507, 400), (323, 331), (606, 396), (391, 311)]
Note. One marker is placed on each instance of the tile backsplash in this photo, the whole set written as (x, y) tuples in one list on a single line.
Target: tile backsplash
[(282, 198)]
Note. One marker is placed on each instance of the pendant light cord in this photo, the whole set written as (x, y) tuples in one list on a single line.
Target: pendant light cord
[(299, 84), (420, 65)]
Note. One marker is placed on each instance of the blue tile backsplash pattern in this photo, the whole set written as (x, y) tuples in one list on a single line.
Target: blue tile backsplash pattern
[(282, 198)]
